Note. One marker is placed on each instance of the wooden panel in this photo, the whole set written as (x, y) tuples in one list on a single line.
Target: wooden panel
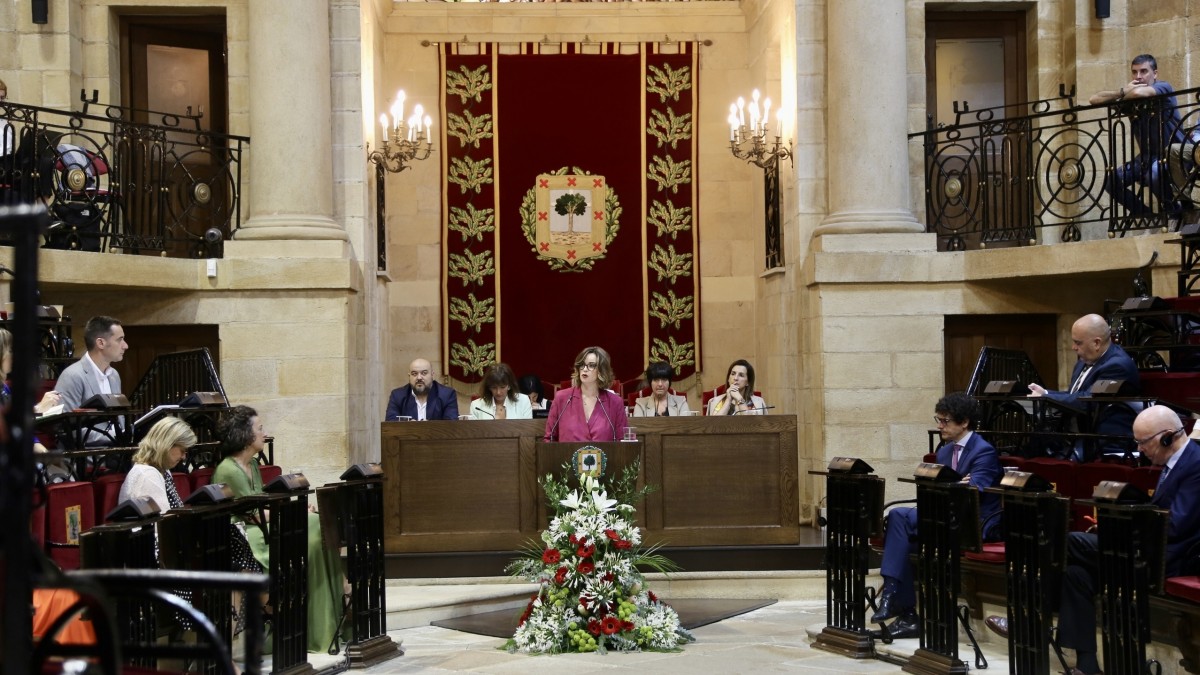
[(485, 495), (710, 486), (472, 486), (965, 335)]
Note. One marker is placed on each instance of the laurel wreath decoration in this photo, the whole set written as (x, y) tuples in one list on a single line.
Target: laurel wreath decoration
[(612, 224)]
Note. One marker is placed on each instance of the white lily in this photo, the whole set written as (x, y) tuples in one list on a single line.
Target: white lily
[(602, 502), (572, 501)]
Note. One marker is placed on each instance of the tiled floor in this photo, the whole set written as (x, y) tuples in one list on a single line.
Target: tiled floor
[(772, 639)]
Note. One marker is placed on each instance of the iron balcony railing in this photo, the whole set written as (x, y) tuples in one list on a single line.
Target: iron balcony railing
[(111, 183), (1017, 175)]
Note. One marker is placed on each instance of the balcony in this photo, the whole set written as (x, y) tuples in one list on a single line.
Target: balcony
[(167, 188), (1027, 174)]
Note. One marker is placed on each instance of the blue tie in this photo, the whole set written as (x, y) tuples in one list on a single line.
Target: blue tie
[(1162, 476)]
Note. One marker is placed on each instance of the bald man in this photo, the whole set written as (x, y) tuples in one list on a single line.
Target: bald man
[(1099, 359), (422, 398), (1161, 436)]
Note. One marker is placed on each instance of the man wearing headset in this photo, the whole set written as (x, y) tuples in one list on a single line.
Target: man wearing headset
[(1165, 442)]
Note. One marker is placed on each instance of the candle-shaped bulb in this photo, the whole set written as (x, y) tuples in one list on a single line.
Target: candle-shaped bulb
[(741, 111), (383, 122), (754, 95)]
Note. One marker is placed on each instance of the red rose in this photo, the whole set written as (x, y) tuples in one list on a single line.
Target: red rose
[(612, 534), (551, 556), (611, 625), (560, 575), (585, 550), (652, 596), (594, 627), (623, 545), (525, 615), (627, 626), (585, 568)]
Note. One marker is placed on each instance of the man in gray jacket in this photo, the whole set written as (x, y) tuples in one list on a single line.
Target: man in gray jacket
[(93, 374)]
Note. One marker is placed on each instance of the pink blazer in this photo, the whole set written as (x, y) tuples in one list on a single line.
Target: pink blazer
[(567, 424)]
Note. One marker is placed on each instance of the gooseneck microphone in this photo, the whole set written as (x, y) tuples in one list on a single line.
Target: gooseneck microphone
[(553, 435), (486, 413), (765, 407), (600, 402)]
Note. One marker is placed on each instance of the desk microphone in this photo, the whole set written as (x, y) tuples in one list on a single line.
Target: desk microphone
[(485, 412), (554, 429), (605, 411), (765, 407)]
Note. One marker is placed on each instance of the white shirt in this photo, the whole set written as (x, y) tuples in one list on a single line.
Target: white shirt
[(8, 141), (421, 407), (144, 480), (101, 376)]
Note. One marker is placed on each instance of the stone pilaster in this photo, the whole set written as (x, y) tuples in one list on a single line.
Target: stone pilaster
[(291, 163), (868, 99)]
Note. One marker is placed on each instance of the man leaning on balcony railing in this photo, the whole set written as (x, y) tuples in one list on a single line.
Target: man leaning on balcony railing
[(1153, 130)]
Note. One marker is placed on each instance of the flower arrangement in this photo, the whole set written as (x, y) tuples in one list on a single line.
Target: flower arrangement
[(592, 596)]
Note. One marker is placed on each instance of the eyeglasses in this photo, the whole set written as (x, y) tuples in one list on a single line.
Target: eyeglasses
[(590, 365), (941, 421), (1144, 441)]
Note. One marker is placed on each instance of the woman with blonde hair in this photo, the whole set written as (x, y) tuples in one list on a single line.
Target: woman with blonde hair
[(161, 449)]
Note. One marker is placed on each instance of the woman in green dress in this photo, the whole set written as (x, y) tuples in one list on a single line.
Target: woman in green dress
[(242, 438)]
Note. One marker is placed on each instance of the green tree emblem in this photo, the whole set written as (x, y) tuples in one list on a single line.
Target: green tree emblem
[(570, 205)]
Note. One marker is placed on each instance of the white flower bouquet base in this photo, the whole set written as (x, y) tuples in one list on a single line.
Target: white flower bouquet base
[(592, 596)]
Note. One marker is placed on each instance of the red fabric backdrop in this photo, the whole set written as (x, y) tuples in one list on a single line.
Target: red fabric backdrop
[(522, 129)]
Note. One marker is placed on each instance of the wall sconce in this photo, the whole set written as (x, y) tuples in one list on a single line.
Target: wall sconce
[(749, 141), (403, 142)]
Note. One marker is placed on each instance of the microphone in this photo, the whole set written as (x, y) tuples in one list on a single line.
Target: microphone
[(485, 412), (600, 402), (765, 407), (554, 430)]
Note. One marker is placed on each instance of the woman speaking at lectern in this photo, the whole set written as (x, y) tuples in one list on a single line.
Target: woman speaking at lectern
[(588, 411)]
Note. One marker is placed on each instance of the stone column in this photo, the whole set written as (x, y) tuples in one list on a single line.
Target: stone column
[(291, 163), (868, 178)]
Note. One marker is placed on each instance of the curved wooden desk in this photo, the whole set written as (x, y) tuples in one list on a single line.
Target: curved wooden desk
[(470, 487)]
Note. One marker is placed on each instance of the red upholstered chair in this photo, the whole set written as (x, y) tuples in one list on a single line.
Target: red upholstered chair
[(183, 484), (106, 489), (1145, 478), (1187, 588), (70, 511), (1087, 477), (37, 523), (201, 477), (993, 552), (269, 472), (1013, 462)]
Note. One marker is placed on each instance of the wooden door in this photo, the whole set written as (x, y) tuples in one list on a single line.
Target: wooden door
[(978, 59)]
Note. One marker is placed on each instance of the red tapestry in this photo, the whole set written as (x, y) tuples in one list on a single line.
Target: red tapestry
[(569, 206)]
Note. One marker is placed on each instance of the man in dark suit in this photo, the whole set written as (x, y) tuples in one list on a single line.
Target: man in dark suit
[(979, 464), (1164, 441), (1099, 359), (422, 398)]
